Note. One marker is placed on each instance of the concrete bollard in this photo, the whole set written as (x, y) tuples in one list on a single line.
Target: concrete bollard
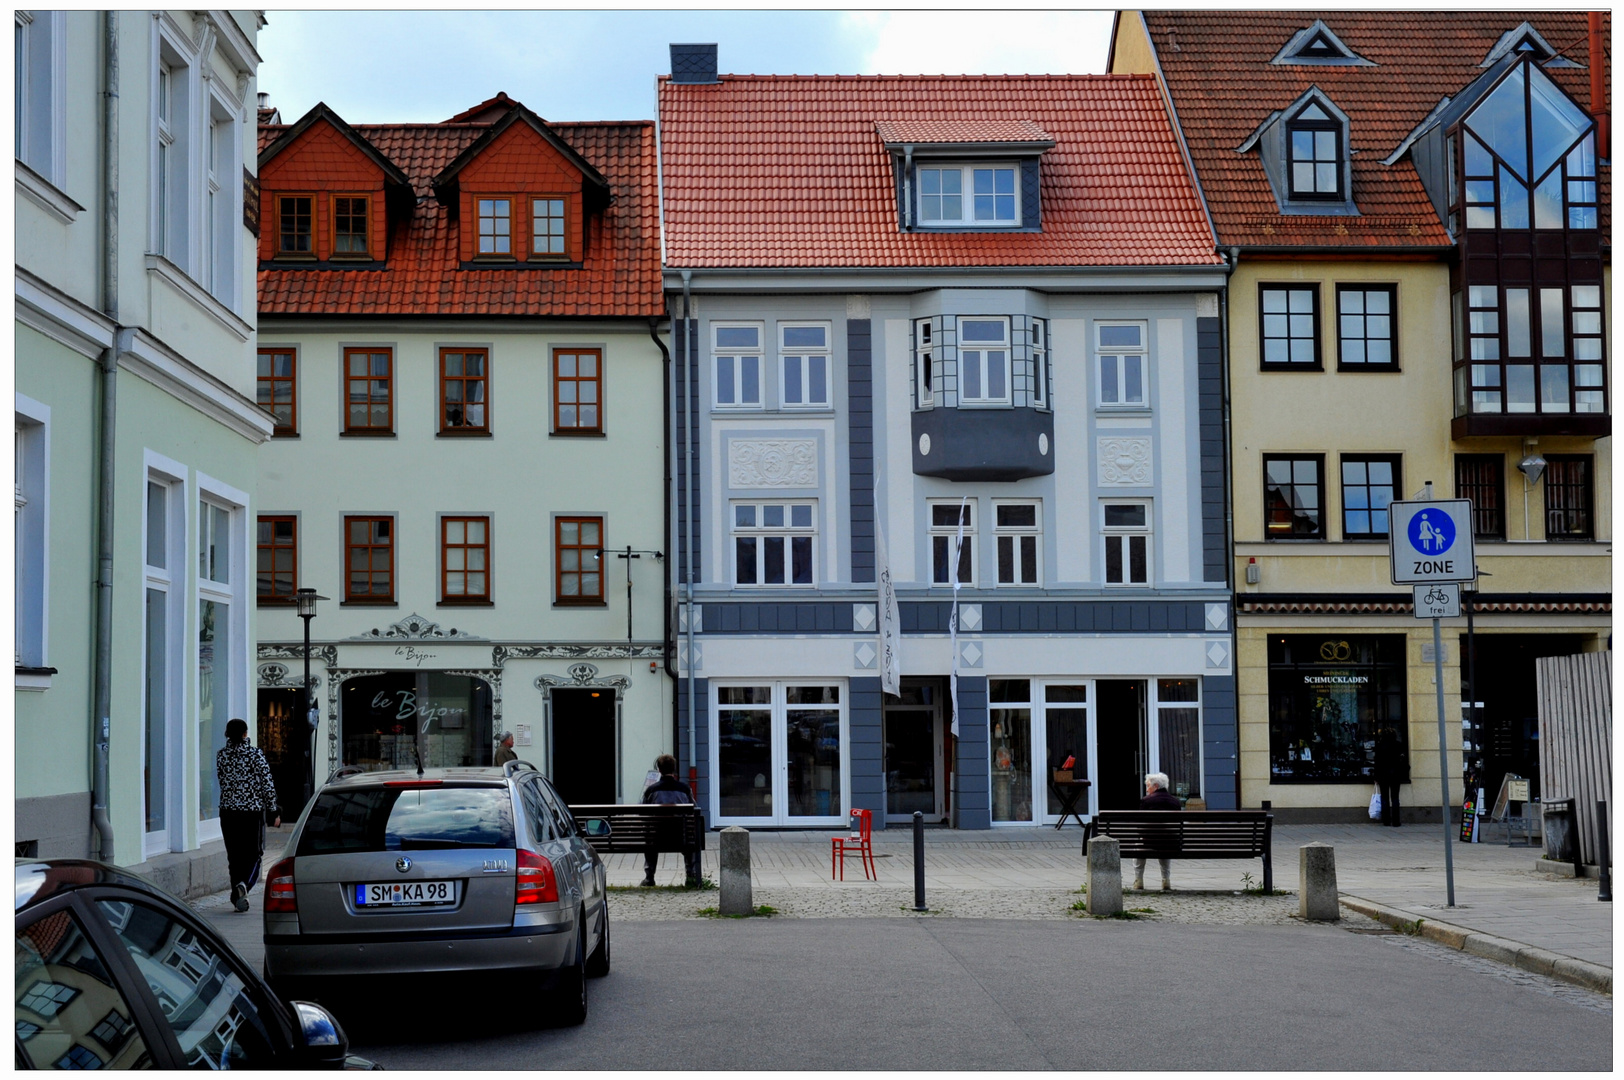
[(1316, 883), (735, 860), (1104, 876)]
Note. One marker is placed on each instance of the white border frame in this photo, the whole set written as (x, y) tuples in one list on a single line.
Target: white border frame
[(779, 739), (828, 354), (239, 662), (37, 415)]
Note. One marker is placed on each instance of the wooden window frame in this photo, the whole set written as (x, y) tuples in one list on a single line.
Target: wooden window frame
[(446, 547), (1397, 462), (1323, 533), (283, 253), (1484, 527), (271, 599), (479, 235), (559, 427), (389, 404), (559, 547), (1344, 364), (447, 428), (1263, 337), (350, 546), (532, 251), (292, 427), (364, 255), (1582, 492)]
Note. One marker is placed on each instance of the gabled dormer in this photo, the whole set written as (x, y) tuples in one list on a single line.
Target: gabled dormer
[(1319, 46), (1526, 42), (522, 196), (966, 175), (1307, 157), (328, 195)]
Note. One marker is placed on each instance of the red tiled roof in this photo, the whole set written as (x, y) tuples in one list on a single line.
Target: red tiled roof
[(961, 131), (790, 171), (1223, 86), (620, 275)]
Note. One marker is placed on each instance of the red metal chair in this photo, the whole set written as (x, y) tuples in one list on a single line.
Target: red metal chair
[(860, 843)]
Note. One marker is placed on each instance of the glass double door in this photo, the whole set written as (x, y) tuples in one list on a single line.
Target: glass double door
[(915, 755), (780, 754)]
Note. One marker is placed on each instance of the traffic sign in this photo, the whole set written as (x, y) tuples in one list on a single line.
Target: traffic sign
[(1431, 541), (1437, 601)]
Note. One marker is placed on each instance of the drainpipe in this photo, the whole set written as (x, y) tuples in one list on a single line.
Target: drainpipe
[(688, 370), (665, 564), (101, 718), (1234, 261)]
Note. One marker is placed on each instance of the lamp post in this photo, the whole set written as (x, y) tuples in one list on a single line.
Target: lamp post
[(304, 601)]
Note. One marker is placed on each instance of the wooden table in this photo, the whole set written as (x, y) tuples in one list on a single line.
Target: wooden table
[(1068, 792)]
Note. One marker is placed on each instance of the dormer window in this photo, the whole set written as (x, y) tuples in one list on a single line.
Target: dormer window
[(981, 195), (293, 215), (1314, 142), (350, 225), (1318, 45), (496, 226), (547, 228)]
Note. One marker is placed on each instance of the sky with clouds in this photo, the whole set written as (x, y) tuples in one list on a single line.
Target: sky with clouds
[(422, 66)]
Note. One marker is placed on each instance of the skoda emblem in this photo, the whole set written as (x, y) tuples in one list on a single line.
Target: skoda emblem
[(403, 864)]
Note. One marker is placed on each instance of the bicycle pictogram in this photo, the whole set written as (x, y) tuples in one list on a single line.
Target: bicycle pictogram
[(1435, 597)]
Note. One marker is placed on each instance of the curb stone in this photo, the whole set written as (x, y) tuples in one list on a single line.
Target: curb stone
[(1528, 957)]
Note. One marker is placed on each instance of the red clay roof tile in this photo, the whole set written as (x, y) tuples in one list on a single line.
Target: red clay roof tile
[(1219, 75), (961, 131), (791, 171)]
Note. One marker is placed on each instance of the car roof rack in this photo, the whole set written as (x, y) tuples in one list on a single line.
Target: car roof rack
[(515, 765)]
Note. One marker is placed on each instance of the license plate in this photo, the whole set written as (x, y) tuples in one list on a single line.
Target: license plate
[(406, 894)]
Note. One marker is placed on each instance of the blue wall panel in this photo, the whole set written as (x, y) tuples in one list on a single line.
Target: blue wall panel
[(867, 752), (972, 782), (1220, 741), (860, 444)]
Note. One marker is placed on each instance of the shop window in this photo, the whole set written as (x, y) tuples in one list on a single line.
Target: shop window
[(1127, 543), (350, 229), (1369, 483), (1019, 534), (276, 389), (803, 723), (465, 391), (805, 359), (952, 539), (1289, 315), (1329, 698), (1367, 327), (30, 533), (578, 558), (369, 560), (1178, 727), (736, 353), (1124, 365), (1009, 716), (465, 560), (1481, 478), (382, 716), (277, 558), (1065, 735), (773, 544), (1568, 507), (369, 391), (1293, 497), (577, 391)]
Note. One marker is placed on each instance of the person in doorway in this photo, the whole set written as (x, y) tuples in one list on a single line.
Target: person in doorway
[(247, 801), (1157, 797), (668, 790), (504, 749), (1388, 768)]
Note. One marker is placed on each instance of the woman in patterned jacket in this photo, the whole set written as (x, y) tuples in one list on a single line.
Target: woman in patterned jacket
[(247, 798)]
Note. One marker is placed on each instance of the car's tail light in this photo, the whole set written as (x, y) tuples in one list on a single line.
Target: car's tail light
[(279, 888), (535, 883), (413, 783)]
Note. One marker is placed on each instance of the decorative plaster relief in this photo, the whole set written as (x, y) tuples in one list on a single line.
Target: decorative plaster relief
[(970, 654), (278, 675), (1124, 462), (772, 463), (864, 655), (862, 617), (415, 627), (1218, 655), (969, 617)]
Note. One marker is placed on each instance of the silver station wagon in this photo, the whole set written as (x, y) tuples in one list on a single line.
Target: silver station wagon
[(436, 873)]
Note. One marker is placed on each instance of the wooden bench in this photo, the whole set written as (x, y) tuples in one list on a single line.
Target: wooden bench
[(1191, 834), (639, 827)]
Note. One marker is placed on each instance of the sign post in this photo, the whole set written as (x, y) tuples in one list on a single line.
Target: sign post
[(1430, 545)]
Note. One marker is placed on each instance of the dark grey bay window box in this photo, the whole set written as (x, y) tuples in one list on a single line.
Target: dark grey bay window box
[(983, 444)]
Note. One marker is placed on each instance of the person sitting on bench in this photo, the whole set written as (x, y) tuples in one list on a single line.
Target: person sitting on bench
[(1157, 797), (668, 791)]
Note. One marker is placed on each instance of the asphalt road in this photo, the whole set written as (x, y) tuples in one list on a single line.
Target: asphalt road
[(902, 993)]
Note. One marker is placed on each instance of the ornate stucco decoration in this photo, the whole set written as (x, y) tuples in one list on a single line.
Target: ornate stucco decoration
[(1124, 462), (582, 675), (501, 654), (327, 654), (273, 675), (772, 463), (415, 627)]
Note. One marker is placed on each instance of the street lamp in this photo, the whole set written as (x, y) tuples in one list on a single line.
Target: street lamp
[(304, 601)]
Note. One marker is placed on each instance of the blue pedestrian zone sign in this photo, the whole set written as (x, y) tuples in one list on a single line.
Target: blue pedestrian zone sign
[(1431, 541)]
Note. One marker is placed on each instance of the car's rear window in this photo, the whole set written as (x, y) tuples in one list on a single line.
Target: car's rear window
[(408, 819)]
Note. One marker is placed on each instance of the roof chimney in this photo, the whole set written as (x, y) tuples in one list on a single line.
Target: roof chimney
[(693, 63), (264, 100)]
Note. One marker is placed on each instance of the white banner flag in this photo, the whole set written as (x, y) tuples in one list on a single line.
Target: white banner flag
[(953, 620), (889, 624)]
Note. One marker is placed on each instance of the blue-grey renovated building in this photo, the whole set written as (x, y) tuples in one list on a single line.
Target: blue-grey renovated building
[(972, 315)]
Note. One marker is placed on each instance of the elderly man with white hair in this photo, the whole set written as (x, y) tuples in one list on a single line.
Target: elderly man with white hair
[(1157, 797)]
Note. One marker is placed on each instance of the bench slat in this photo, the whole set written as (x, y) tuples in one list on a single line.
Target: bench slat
[(641, 827)]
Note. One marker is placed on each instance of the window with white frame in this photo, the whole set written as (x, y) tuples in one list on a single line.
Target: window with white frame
[(1178, 734), (30, 524), (1123, 355), (1127, 542), (984, 361), (40, 116), (1018, 530), (163, 620), (1040, 363), (222, 212), (924, 356), (219, 641), (171, 194), (736, 352), (952, 526), (804, 353), (773, 543), (977, 195)]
